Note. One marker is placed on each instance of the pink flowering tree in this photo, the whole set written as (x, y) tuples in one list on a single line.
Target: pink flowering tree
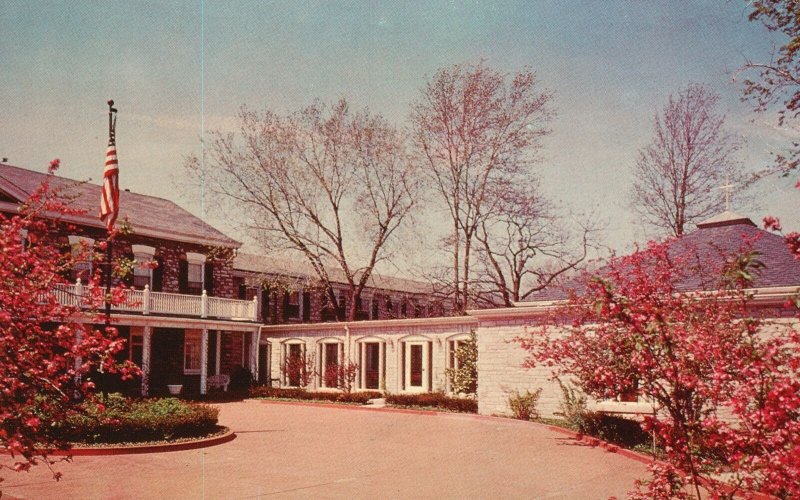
[(46, 354), (691, 355)]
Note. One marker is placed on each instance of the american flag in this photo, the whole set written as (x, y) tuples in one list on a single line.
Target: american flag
[(109, 200)]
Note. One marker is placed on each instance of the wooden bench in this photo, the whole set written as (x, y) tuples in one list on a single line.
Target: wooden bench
[(221, 380)]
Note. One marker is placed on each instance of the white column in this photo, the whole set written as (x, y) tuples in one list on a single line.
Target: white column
[(323, 359), (218, 353), (254, 352), (147, 335), (204, 304), (362, 368), (381, 355), (146, 299), (204, 361)]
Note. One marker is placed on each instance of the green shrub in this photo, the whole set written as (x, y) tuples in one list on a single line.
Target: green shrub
[(618, 430), (135, 420), (464, 379), (573, 408), (434, 400), (302, 394), (523, 405)]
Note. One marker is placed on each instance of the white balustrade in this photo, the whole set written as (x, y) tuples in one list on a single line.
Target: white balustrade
[(229, 308), (148, 302)]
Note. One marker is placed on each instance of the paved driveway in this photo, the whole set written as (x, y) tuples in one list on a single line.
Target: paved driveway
[(291, 451)]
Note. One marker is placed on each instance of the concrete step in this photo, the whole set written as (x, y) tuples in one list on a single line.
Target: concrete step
[(377, 402)]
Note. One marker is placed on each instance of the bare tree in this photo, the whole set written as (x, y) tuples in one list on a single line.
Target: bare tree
[(323, 182), (474, 127), (525, 245), (678, 175)]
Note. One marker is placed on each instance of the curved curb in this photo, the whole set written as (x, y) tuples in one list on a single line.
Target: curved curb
[(150, 448), (337, 406), (590, 440)]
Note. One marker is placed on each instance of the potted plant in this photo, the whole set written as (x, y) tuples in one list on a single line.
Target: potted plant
[(174, 379)]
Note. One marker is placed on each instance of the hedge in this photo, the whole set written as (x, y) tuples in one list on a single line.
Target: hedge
[(434, 400), (124, 420), (302, 394)]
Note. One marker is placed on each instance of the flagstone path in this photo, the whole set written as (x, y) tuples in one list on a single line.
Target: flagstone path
[(296, 451)]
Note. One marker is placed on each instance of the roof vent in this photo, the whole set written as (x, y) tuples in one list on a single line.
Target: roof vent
[(726, 218)]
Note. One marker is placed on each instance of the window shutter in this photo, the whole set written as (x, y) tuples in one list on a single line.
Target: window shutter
[(158, 275), (183, 276), (265, 304), (208, 278), (284, 312), (306, 297)]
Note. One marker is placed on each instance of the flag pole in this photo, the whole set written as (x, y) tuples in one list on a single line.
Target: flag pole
[(112, 122), (109, 252)]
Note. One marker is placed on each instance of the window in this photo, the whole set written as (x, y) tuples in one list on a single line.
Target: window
[(375, 306), (192, 274), (417, 365), (191, 352), (330, 354), (372, 363), (195, 278), (136, 349), (295, 368), (292, 305), (143, 270), (81, 249)]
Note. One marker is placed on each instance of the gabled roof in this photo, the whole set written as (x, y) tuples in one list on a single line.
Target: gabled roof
[(302, 270), (722, 235), (148, 215)]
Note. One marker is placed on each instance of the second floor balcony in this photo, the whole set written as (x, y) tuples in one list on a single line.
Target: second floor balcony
[(146, 302)]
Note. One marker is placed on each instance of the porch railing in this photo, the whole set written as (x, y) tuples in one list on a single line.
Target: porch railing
[(148, 302)]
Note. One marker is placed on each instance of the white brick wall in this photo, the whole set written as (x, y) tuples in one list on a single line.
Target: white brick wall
[(392, 332), (500, 371)]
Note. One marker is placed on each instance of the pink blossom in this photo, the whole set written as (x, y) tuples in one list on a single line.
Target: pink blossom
[(772, 223)]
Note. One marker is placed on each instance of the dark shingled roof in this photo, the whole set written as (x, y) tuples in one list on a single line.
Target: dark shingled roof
[(724, 234), (149, 216), (300, 269)]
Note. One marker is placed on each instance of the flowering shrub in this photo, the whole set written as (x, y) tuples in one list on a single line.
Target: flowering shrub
[(45, 354), (299, 369), (635, 330)]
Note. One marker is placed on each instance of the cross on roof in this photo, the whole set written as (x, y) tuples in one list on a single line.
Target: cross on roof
[(728, 188)]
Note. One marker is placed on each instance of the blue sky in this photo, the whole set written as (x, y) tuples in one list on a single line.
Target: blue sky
[(174, 67)]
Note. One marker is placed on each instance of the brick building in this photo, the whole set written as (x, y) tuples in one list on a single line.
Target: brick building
[(182, 319), (199, 311)]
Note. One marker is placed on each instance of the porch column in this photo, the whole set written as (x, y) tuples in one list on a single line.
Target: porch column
[(147, 335), (323, 364), (218, 353), (204, 361), (362, 366), (381, 355), (254, 340)]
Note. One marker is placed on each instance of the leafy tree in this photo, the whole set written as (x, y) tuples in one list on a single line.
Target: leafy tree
[(324, 182), (45, 353), (677, 175), (475, 128), (635, 329), (776, 82), (464, 377)]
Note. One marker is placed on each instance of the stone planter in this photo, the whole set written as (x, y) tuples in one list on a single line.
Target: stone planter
[(174, 389)]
